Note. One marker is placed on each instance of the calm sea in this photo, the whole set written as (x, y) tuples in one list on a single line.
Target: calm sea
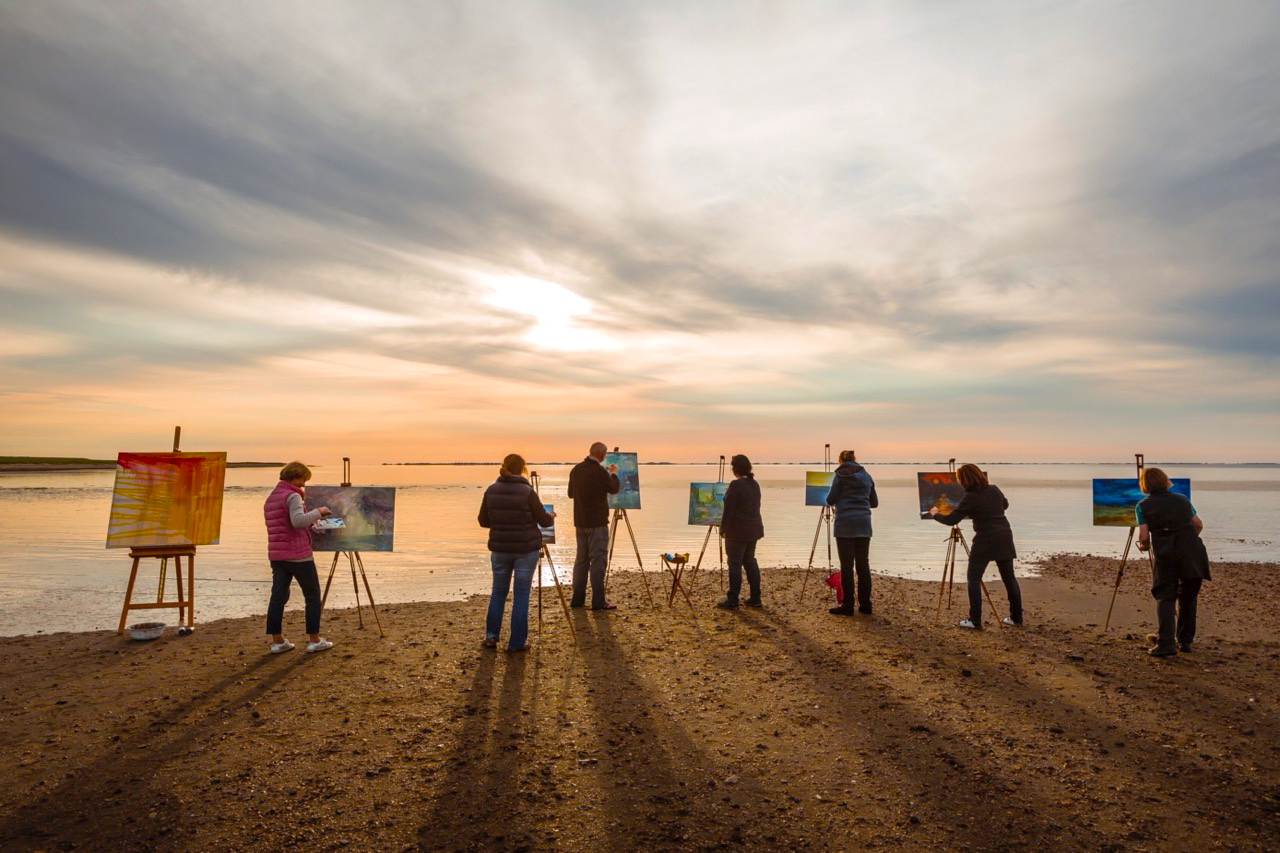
[(56, 574)]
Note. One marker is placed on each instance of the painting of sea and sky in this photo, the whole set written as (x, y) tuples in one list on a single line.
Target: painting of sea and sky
[(1114, 501), (816, 486), (628, 496), (706, 502), (938, 489), (368, 514), (167, 499), (548, 532)]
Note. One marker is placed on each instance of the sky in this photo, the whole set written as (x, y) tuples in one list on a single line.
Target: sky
[(435, 231)]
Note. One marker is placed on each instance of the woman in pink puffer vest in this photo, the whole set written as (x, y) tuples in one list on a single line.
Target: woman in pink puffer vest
[(289, 550)]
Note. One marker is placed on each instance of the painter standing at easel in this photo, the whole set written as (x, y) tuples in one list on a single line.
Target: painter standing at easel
[(589, 487), (1169, 527), (289, 550), (992, 541)]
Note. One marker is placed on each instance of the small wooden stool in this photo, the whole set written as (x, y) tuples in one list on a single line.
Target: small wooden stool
[(675, 564), (163, 553)]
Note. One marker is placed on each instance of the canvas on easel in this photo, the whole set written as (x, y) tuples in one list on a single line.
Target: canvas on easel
[(628, 497), (817, 485), (163, 506), (706, 507), (363, 519)]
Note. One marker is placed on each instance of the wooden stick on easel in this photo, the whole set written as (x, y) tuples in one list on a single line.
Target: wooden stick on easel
[(1139, 460), (825, 516)]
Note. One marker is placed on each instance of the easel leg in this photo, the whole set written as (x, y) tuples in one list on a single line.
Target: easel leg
[(191, 590), (613, 538), (693, 578), (364, 577), (812, 551), (177, 576), (539, 595), (352, 560), (128, 595), (332, 568), (639, 562), (1124, 558), (720, 548), (948, 567), (164, 570), (564, 605)]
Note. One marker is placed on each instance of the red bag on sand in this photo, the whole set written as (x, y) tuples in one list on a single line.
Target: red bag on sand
[(833, 581)]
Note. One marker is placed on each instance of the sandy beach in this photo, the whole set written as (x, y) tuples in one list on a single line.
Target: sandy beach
[(665, 729)]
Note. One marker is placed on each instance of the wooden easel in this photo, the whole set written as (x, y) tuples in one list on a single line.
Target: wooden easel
[(1140, 463), (956, 541), (824, 517), (621, 514), (164, 553), (719, 544), (546, 555), (353, 559)]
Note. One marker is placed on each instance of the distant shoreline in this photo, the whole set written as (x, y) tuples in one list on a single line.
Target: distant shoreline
[(874, 462)]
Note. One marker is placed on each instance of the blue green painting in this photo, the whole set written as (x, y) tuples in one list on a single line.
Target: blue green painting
[(368, 514), (1114, 500), (548, 532), (706, 502), (816, 486), (628, 496)]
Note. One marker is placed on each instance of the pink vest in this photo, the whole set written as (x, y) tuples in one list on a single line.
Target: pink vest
[(284, 541)]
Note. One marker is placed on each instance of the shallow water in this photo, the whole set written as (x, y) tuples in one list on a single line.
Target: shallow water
[(56, 574)]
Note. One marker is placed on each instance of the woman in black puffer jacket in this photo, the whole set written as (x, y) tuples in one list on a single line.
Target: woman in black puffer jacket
[(512, 511)]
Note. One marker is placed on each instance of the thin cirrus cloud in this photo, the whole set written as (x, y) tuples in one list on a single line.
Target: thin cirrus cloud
[(1047, 229)]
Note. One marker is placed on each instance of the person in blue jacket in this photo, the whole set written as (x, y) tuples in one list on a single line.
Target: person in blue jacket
[(853, 494)]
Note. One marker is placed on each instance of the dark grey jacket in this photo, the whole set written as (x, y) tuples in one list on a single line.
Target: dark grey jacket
[(512, 511), (992, 535), (741, 521)]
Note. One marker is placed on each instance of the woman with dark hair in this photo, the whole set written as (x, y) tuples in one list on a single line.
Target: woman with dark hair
[(1169, 527), (853, 494), (512, 511), (992, 540), (742, 527)]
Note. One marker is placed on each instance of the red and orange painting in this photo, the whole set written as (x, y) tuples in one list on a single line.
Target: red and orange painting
[(167, 499)]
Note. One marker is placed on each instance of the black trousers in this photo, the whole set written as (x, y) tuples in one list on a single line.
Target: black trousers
[(283, 572), (1011, 588), (742, 555), (855, 551), (1176, 610)]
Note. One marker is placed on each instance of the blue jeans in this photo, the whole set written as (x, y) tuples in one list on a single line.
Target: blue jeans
[(504, 565)]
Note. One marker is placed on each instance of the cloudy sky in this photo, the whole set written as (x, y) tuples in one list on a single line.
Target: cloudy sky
[(429, 231)]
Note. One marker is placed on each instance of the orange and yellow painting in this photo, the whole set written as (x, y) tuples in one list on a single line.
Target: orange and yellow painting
[(167, 499), (938, 489)]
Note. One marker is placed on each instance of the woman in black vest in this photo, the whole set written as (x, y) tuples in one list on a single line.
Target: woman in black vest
[(1169, 527), (992, 540), (512, 511), (742, 527)]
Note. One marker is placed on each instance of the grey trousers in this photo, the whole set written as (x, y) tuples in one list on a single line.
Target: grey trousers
[(593, 550)]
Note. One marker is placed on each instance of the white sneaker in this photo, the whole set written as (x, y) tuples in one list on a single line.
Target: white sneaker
[(1008, 620), (277, 648), (320, 645), (965, 623)]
